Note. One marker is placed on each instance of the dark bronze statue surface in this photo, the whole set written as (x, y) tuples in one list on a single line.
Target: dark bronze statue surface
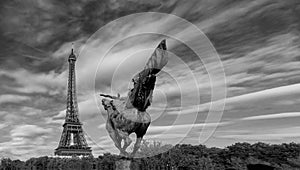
[(128, 115)]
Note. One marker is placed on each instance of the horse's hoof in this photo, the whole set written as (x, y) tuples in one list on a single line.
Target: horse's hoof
[(132, 155), (124, 154)]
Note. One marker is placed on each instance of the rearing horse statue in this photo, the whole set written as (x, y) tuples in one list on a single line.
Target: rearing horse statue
[(128, 115)]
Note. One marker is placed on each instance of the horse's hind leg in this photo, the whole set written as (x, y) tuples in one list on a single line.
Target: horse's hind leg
[(136, 145)]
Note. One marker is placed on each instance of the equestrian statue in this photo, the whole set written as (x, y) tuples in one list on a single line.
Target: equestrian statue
[(128, 115)]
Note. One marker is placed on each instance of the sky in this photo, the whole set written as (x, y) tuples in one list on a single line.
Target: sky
[(233, 73)]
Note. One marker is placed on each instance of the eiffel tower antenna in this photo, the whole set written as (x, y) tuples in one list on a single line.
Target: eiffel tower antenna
[(72, 141), (72, 47)]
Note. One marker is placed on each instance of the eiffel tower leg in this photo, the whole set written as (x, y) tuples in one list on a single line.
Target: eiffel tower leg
[(75, 144)]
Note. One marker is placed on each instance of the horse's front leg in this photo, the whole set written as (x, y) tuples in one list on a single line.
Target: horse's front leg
[(127, 140), (116, 139), (136, 146), (114, 135)]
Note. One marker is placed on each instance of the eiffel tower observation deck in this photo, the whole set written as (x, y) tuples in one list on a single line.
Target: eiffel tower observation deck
[(72, 141)]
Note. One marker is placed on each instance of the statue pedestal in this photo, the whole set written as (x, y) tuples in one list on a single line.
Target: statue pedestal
[(123, 164)]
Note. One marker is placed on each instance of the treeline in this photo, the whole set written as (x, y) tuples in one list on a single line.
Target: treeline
[(240, 156)]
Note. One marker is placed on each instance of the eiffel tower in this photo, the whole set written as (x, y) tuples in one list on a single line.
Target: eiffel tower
[(72, 141)]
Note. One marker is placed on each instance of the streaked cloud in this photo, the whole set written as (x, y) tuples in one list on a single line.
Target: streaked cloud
[(276, 134), (273, 116)]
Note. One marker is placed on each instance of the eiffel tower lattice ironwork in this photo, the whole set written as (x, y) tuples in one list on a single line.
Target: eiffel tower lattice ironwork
[(72, 141)]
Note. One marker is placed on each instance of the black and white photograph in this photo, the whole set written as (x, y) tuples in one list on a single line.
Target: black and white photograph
[(150, 85)]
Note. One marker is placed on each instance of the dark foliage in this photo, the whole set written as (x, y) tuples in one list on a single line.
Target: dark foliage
[(259, 167), (238, 156)]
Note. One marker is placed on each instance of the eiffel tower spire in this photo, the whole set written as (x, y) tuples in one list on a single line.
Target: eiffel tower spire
[(72, 107), (72, 141)]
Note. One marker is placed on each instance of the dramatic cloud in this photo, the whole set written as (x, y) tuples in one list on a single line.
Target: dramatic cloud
[(9, 98), (29, 131), (26, 141), (27, 82)]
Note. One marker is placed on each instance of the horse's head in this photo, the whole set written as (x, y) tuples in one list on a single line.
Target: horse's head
[(108, 104)]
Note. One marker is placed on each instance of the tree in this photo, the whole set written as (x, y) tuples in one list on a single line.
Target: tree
[(152, 148), (6, 163)]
